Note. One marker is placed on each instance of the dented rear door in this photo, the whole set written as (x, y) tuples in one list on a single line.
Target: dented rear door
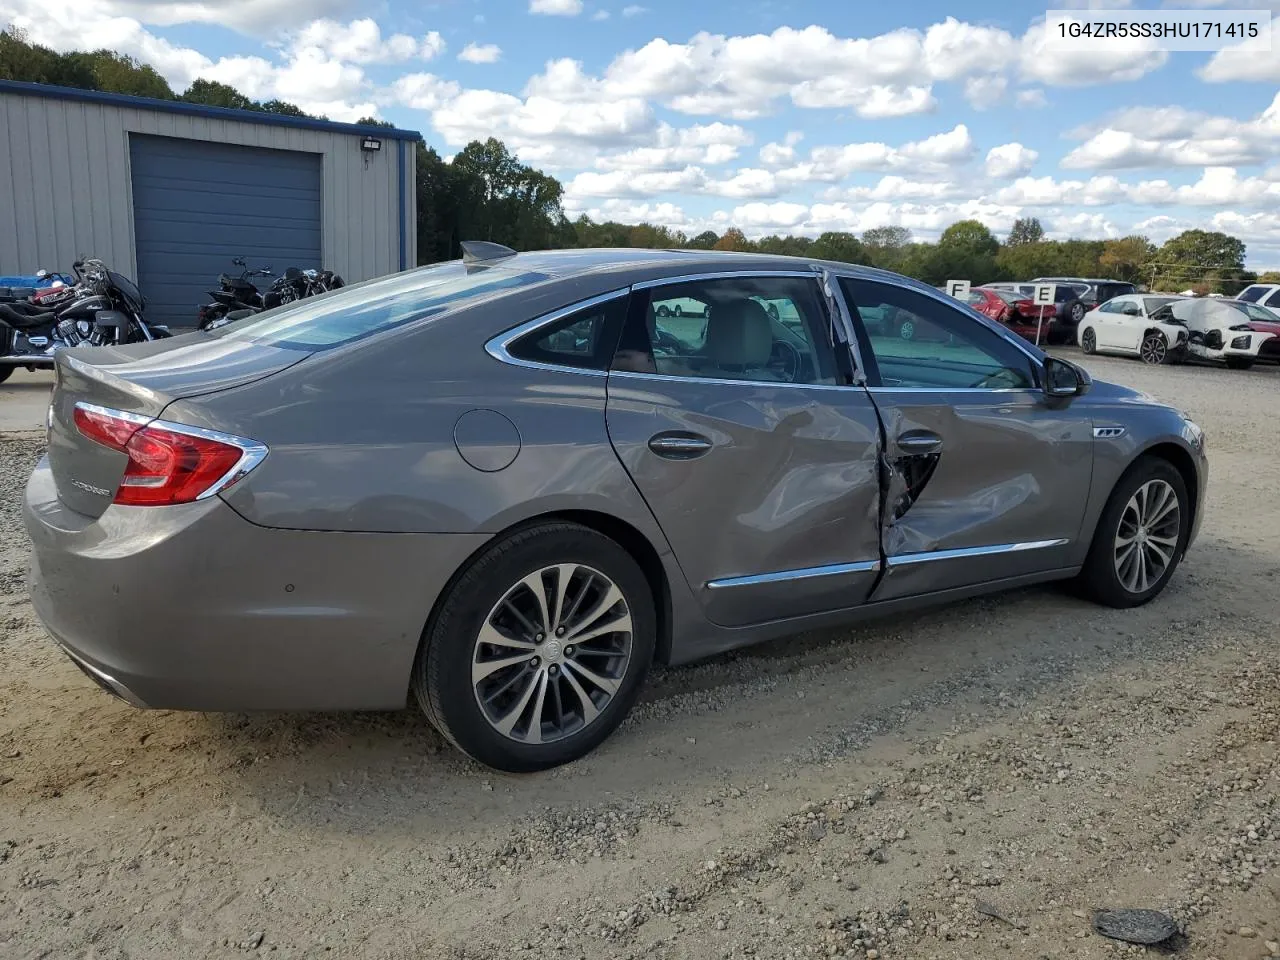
[(982, 480)]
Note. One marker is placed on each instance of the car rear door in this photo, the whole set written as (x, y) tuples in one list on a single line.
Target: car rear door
[(757, 459), (987, 481)]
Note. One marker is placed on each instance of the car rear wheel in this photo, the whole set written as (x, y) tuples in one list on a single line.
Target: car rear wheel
[(1154, 349), (538, 649), (1088, 341), (1237, 363), (1076, 312), (1140, 537), (907, 330)]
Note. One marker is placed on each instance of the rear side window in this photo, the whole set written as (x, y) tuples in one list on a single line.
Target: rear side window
[(1252, 294), (584, 339), (1274, 299), (361, 310)]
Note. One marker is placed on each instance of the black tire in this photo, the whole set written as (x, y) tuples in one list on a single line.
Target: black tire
[(1237, 363), (1154, 349), (663, 310), (1075, 313), (1099, 580), (677, 311), (442, 675), (5, 373), (1089, 341)]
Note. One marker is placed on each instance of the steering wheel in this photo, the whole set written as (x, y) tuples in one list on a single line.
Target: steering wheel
[(785, 361)]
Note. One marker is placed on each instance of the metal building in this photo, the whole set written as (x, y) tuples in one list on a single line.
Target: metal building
[(170, 192)]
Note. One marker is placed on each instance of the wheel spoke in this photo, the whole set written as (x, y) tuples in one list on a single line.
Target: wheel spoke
[(1167, 508), (609, 600), (564, 575), (486, 668), (1142, 571), (1169, 542), (537, 586), (509, 720), (1156, 553), (619, 624), (589, 709), (606, 684), (535, 719), (491, 635)]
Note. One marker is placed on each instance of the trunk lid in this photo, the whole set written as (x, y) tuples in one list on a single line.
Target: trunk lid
[(143, 379)]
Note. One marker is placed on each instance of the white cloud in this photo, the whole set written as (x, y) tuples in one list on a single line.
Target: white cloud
[(1086, 64), (1010, 160), (894, 187), (361, 41), (770, 215), (481, 53), (423, 91), (936, 155), (556, 8), (247, 16), (1031, 99), (600, 15), (1253, 60), (626, 211), (477, 114), (709, 144), (781, 154), (1082, 226), (634, 10), (983, 93), (1217, 187)]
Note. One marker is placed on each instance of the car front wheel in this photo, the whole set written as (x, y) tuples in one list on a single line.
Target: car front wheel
[(1088, 341), (1154, 349), (538, 649), (1140, 537)]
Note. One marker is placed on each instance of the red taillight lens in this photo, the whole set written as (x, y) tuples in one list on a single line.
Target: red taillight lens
[(167, 467), (167, 464)]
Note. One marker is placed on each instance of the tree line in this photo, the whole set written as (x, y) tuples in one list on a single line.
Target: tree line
[(484, 193)]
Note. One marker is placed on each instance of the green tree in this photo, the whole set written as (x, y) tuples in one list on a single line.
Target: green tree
[(211, 93), (1269, 276), (705, 241), (117, 73), (966, 251), (732, 239), (22, 60), (886, 247), (1126, 258), (843, 247), (1025, 230), (1199, 256)]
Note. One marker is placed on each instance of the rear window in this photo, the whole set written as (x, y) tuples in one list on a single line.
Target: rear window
[(1252, 294), (361, 310), (1108, 290)]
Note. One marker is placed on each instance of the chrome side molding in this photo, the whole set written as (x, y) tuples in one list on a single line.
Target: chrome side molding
[(804, 573), (963, 553)]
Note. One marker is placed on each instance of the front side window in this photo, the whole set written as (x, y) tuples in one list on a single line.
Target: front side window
[(361, 310), (1273, 300), (921, 342), (1111, 306), (768, 329), (1253, 294)]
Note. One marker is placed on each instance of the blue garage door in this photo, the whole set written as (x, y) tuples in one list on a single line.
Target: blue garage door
[(196, 205)]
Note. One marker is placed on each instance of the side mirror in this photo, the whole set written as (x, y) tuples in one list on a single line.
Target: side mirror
[(1063, 379)]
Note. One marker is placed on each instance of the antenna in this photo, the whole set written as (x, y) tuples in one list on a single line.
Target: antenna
[(480, 251)]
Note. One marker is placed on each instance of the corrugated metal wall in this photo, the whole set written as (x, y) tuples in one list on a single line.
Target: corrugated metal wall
[(65, 186)]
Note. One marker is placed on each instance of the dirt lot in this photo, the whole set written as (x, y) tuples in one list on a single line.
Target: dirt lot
[(866, 793)]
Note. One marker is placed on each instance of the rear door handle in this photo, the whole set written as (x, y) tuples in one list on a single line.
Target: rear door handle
[(679, 446), (920, 442)]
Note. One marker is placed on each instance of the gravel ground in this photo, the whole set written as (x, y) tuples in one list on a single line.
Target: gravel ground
[(969, 782)]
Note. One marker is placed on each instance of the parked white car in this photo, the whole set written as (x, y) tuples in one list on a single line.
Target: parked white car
[(1264, 294), (1124, 325)]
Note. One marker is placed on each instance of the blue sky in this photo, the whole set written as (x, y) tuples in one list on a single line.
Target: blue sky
[(776, 117)]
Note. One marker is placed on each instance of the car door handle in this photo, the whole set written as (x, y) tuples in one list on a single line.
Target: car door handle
[(679, 446), (919, 442)]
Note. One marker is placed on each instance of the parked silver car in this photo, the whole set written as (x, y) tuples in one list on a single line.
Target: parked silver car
[(505, 486)]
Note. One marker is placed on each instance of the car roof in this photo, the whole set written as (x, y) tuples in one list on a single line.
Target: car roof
[(563, 264)]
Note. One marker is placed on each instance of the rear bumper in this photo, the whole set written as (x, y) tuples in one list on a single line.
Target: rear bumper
[(194, 608)]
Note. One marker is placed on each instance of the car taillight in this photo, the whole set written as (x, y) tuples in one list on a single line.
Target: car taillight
[(169, 463)]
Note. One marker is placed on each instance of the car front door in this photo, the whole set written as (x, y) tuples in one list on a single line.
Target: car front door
[(987, 481), (757, 459)]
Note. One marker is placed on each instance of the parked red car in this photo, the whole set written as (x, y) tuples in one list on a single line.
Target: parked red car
[(1264, 320), (1016, 312)]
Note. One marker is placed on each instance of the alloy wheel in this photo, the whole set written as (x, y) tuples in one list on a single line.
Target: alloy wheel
[(1147, 538), (552, 653), (1153, 349), (1088, 343)]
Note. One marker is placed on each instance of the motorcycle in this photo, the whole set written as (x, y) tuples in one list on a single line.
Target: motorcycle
[(100, 308), (234, 294), (293, 285)]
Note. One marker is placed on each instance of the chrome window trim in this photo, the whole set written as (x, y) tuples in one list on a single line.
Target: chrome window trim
[(675, 378), (252, 453), (953, 304), (1032, 391), (726, 275), (499, 347), (803, 573), (963, 553)]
